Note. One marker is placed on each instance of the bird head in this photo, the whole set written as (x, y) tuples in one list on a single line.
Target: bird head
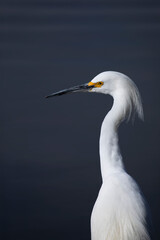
[(114, 84), (102, 83)]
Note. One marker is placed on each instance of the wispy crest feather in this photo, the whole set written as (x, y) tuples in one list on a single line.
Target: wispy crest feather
[(134, 102)]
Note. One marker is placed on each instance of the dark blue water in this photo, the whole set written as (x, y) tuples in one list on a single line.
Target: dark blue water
[(50, 173)]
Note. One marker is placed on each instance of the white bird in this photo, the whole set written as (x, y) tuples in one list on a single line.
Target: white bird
[(119, 212)]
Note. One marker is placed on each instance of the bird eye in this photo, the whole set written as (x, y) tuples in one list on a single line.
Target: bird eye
[(98, 84)]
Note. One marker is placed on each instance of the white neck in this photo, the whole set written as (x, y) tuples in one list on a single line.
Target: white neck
[(110, 157)]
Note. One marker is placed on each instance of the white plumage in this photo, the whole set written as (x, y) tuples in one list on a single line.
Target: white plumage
[(119, 212)]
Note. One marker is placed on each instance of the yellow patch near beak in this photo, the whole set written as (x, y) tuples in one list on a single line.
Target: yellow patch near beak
[(97, 84)]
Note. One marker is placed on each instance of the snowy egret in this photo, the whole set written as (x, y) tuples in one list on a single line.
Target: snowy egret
[(119, 212)]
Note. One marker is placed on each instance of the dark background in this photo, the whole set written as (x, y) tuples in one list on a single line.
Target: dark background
[(49, 168)]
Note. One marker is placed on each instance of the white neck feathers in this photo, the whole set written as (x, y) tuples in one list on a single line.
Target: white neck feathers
[(125, 104)]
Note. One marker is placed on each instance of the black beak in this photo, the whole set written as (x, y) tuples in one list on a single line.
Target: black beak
[(81, 88)]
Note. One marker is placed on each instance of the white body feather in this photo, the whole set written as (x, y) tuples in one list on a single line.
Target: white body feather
[(119, 212)]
